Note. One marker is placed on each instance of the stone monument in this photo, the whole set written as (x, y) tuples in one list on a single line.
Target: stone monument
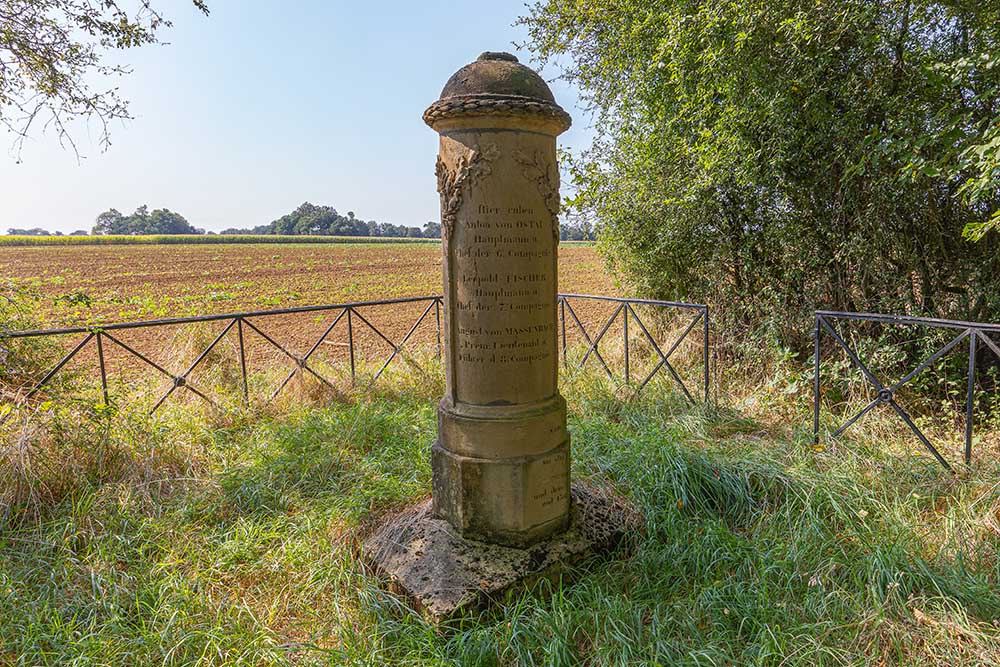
[(501, 461), (502, 508)]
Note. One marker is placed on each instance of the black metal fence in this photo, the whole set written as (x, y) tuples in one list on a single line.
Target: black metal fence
[(621, 325), (625, 311), (885, 391), (243, 323), (357, 317)]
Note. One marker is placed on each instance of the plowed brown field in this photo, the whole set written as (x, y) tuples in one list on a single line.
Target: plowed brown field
[(127, 283), (100, 285)]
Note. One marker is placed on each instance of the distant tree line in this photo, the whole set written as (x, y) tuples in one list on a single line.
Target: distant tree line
[(310, 219), (38, 231), (306, 220), (313, 220), (577, 232), (112, 222)]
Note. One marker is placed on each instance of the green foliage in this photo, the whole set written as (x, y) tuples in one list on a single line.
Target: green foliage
[(21, 359), (772, 158), (143, 222), (54, 58), (34, 231), (312, 220)]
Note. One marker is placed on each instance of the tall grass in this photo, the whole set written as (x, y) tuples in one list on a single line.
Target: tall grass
[(229, 538), (200, 538)]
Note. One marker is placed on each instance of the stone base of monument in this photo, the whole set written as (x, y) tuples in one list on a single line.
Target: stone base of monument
[(444, 575)]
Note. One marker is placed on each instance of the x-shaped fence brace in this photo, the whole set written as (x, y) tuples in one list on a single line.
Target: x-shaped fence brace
[(242, 322), (626, 310), (250, 322), (886, 395)]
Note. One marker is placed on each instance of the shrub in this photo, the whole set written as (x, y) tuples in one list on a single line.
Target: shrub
[(775, 158)]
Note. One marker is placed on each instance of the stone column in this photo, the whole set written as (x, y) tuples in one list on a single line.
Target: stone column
[(501, 461)]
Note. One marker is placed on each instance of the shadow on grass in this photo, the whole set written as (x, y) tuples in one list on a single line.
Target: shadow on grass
[(349, 460)]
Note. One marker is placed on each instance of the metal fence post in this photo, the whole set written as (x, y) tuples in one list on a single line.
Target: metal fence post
[(705, 353), (350, 340), (104, 373), (816, 333), (437, 319), (625, 339), (562, 309), (243, 361), (970, 398)]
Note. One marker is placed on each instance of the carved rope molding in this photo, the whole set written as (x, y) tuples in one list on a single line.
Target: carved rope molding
[(545, 176), (454, 107), (452, 183)]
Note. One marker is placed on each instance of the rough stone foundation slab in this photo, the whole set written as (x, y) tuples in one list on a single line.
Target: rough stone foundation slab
[(444, 575)]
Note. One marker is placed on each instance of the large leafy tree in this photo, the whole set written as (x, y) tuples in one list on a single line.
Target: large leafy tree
[(144, 221), (311, 219), (432, 230), (54, 61), (777, 156)]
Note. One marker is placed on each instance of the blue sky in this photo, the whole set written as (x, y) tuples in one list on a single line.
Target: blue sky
[(264, 105)]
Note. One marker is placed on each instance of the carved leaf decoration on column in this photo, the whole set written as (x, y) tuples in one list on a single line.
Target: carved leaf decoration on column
[(545, 176), (451, 183)]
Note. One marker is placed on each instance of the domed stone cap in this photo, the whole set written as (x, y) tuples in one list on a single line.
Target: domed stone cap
[(496, 84)]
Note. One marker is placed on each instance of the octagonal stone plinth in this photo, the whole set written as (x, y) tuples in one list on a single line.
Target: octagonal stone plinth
[(513, 501)]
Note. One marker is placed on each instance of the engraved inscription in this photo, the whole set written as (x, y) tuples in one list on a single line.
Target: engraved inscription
[(548, 488), (504, 301)]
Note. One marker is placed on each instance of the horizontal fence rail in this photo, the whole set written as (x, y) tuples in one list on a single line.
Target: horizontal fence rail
[(974, 332), (352, 317)]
